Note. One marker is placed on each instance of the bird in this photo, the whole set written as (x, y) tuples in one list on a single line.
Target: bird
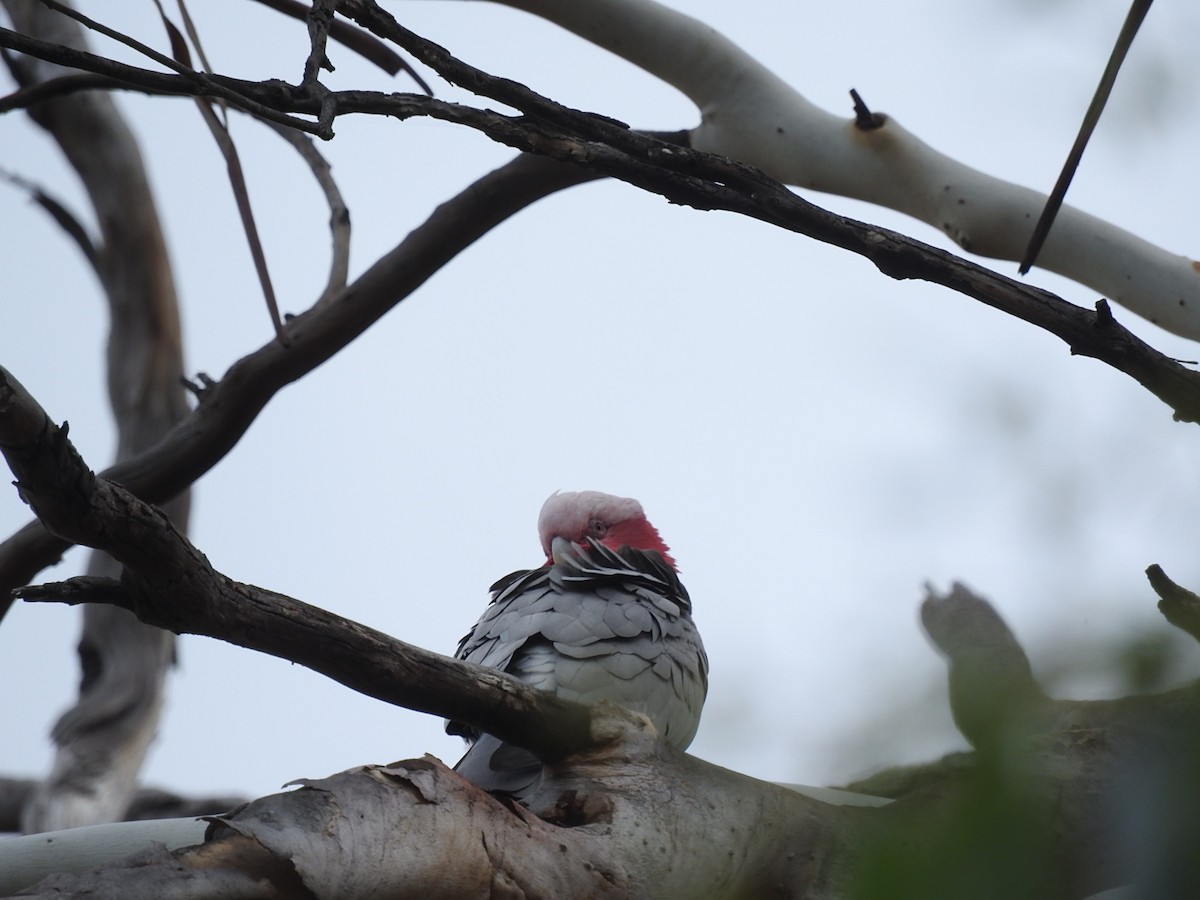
[(604, 618)]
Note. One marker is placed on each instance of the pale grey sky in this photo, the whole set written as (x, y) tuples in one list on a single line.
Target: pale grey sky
[(813, 440)]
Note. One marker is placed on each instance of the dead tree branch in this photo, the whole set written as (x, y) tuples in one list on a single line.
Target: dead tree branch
[(420, 809), (709, 182), (679, 174), (102, 740), (602, 148), (362, 43), (229, 406), (168, 583), (147, 803)]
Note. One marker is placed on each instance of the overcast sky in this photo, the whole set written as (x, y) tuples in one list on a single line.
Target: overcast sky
[(814, 441)]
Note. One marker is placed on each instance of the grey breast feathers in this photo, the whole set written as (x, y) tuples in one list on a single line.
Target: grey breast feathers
[(598, 625)]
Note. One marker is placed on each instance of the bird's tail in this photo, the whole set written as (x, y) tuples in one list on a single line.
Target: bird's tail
[(501, 768)]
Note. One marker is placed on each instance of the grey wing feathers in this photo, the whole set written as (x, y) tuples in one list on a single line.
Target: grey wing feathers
[(598, 625)]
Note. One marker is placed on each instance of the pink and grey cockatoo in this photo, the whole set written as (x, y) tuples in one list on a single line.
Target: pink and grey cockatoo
[(606, 618)]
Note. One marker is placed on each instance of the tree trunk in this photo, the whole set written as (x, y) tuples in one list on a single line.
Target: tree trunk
[(102, 740)]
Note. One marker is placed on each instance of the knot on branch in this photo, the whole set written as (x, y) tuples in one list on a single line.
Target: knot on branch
[(864, 119)]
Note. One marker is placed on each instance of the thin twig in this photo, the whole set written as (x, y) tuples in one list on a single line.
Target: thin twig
[(219, 128), (1137, 12), (364, 44), (167, 582), (32, 94), (241, 196), (193, 34), (187, 82), (339, 213), (864, 119), (230, 405), (319, 19), (65, 219)]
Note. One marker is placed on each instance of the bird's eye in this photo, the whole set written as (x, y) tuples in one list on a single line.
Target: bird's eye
[(597, 528)]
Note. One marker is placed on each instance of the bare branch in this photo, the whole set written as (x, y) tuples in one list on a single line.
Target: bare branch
[(125, 39), (750, 114), (359, 41), (339, 213), (681, 175), (319, 18), (992, 689), (134, 78), (241, 196), (420, 831), (708, 182), (102, 739), (31, 95), (1137, 12), (147, 803), (168, 583), (66, 219), (362, 659), (230, 405), (218, 127)]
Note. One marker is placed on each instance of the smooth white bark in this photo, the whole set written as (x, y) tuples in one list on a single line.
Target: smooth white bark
[(751, 115), (27, 860)]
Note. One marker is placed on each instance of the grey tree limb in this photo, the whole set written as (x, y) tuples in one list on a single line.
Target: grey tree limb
[(147, 803), (102, 740), (228, 407), (170, 584), (598, 147), (1068, 763)]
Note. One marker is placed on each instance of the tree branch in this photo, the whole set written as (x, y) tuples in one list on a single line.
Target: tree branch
[(1133, 21), (339, 213), (229, 406), (750, 114), (147, 803), (193, 84), (102, 739), (603, 147), (362, 43), (707, 182), (415, 829), (66, 219), (992, 689), (168, 583)]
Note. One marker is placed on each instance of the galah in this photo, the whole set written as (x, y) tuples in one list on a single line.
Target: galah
[(605, 618)]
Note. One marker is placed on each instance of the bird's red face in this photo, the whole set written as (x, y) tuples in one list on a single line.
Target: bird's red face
[(615, 522), (638, 533)]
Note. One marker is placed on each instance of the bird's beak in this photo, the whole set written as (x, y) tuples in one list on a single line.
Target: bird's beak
[(562, 551)]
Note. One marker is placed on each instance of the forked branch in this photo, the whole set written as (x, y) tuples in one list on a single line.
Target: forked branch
[(168, 583)]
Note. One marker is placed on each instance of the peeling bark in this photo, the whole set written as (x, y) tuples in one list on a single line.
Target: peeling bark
[(416, 829), (1040, 809)]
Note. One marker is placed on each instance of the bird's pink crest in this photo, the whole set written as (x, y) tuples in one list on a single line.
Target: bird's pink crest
[(615, 522)]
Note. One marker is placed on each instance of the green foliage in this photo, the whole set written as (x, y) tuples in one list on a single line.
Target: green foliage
[(984, 834), (1059, 799)]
